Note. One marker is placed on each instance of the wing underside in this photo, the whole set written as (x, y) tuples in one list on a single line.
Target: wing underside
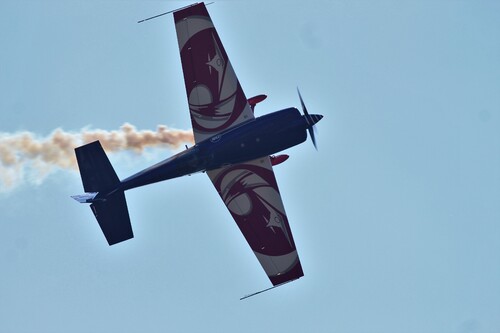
[(216, 100), (251, 194), (217, 103)]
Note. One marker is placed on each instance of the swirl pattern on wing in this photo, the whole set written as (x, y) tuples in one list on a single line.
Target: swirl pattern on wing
[(216, 100), (251, 194)]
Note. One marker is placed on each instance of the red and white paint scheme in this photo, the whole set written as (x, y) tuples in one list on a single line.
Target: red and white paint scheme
[(217, 103), (235, 148)]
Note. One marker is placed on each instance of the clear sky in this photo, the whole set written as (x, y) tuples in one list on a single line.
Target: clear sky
[(396, 218)]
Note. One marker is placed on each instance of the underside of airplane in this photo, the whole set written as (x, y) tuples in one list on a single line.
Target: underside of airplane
[(232, 146)]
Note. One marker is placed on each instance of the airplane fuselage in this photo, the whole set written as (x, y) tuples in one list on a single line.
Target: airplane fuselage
[(256, 138)]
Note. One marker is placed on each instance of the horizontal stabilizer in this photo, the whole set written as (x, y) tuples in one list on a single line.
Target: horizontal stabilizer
[(99, 180), (97, 172), (112, 216)]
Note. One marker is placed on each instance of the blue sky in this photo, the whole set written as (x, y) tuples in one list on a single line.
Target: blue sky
[(396, 218)]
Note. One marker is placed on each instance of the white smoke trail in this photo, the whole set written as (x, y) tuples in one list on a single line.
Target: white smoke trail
[(23, 155)]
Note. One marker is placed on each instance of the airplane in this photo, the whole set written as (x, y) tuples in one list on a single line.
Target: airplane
[(232, 146)]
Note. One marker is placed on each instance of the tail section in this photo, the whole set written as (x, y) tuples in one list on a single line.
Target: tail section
[(86, 197), (112, 216), (97, 173), (100, 183)]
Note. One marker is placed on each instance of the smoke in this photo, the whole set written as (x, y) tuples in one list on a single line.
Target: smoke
[(25, 156)]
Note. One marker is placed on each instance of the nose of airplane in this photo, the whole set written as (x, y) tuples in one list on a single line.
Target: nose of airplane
[(313, 118), (316, 117)]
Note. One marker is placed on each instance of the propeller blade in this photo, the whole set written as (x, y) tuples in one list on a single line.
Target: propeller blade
[(312, 128), (304, 109), (313, 138)]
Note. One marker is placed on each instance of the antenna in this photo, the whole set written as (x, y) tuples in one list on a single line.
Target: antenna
[(259, 292), (152, 17)]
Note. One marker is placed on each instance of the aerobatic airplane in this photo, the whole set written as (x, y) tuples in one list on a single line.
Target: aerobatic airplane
[(232, 146)]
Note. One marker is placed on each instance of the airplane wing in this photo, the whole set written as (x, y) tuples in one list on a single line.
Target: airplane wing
[(216, 103), (251, 194), (216, 100)]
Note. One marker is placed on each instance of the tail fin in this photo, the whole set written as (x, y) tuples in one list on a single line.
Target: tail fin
[(97, 173), (99, 179), (112, 216)]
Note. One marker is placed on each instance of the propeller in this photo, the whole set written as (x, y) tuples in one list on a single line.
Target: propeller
[(311, 120)]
